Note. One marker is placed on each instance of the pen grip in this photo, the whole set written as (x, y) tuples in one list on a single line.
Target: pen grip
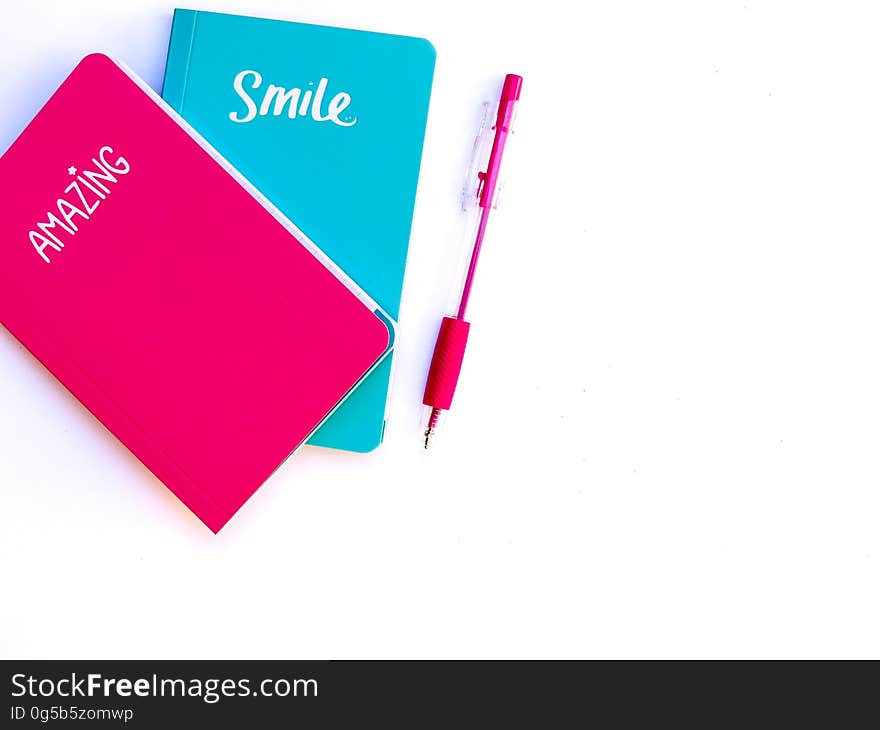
[(446, 363)]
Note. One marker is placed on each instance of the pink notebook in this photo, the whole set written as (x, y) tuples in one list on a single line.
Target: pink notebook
[(187, 314)]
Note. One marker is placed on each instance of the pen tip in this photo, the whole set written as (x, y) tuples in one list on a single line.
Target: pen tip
[(428, 434)]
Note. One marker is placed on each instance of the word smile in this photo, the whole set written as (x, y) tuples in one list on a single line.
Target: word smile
[(299, 102)]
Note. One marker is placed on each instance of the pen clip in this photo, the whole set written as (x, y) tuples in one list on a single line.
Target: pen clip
[(473, 184)]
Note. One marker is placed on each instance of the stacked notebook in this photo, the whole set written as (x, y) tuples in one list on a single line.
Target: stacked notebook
[(216, 276)]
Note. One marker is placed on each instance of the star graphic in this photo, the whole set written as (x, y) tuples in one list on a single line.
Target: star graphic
[(71, 170)]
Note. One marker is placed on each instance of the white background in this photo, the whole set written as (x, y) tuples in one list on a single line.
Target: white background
[(665, 441)]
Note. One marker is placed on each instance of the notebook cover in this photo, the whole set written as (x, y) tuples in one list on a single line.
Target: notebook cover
[(345, 167), (194, 321)]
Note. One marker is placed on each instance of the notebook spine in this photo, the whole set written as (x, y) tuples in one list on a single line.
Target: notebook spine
[(183, 32)]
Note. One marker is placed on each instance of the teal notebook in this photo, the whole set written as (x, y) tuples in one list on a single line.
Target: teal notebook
[(328, 123)]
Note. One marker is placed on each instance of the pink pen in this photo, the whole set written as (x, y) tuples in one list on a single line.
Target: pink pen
[(452, 340)]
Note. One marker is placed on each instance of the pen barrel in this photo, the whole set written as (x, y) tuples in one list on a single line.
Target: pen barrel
[(493, 170), (446, 363)]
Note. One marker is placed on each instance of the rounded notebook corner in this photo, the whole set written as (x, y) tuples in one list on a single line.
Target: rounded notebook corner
[(96, 58), (429, 47), (390, 328)]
